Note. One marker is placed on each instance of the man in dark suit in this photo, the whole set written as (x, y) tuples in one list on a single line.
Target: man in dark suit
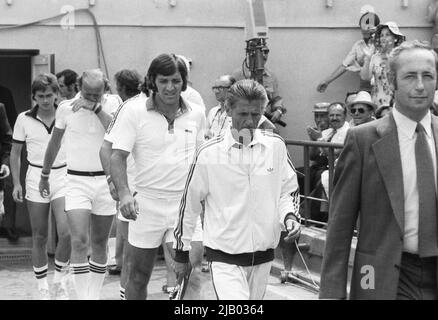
[(386, 175), (5, 150)]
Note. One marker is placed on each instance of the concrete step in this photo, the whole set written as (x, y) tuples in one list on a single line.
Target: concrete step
[(308, 265), (16, 252)]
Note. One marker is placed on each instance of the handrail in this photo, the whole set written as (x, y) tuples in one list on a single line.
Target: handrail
[(331, 160)]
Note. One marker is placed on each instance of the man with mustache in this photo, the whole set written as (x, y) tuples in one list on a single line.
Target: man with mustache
[(337, 113), (242, 224)]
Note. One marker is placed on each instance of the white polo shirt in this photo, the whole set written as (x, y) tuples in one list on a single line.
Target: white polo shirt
[(162, 152), (84, 133), (130, 163), (30, 129)]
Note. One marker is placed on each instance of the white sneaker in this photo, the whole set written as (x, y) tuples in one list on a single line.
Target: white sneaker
[(44, 294), (60, 291)]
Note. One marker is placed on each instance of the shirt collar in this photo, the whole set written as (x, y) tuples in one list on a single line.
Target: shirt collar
[(33, 112), (259, 138), (345, 126), (183, 105), (407, 126)]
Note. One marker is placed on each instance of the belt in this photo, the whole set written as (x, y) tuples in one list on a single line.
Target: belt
[(38, 166), (86, 173)]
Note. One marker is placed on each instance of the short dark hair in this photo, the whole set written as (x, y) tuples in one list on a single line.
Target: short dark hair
[(44, 81), (166, 65), (334, 104), (130, 80), (70, 77)]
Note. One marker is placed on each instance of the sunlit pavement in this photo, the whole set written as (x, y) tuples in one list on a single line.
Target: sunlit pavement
[(18, 283)]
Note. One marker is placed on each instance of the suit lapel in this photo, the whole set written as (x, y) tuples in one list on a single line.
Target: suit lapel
[(388, 160), (435, 136)]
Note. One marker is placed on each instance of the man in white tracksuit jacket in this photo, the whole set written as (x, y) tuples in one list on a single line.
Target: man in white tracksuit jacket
[(251, 193)]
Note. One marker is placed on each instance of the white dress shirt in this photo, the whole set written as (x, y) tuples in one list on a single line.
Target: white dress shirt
[(406, 138), (339, 136)]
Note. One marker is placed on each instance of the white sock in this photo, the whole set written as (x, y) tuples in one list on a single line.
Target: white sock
[(122, 293), (60, 271), (96, 280), (41, 276), (81, 278)]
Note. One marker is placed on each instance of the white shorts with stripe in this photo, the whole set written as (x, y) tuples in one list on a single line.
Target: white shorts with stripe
[(90, 193), (56, 181), (155, 222), (233, 282)]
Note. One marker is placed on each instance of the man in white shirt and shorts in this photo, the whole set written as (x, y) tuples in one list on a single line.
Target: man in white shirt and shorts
[(88, 202), (162, 132)]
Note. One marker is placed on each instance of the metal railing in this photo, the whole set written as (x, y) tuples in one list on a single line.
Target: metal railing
[(307, 144)]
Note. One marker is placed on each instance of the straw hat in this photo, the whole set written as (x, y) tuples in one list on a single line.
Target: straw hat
[(321, 107), (363, 97), (392, 26)]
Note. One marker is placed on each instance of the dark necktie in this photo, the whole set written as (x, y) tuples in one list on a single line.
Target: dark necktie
[(427, 226), (332, 134)]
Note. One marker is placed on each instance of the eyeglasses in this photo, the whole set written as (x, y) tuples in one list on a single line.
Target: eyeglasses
[(219, 88), (265, 51), (360, 110)]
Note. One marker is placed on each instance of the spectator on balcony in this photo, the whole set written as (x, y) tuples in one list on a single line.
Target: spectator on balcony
[(354, 60), (336, 134), (318, 162), (361, 109), (376, 67)]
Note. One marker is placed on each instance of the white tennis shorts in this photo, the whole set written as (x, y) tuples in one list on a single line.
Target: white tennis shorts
[(90, 193), (56, 181), (155, 222)]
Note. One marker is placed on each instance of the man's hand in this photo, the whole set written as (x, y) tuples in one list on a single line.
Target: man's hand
[(4, 171), (313, 133), (44, 187), (322, 86), (112, 189), (17, 193), (83, 103), (129, 207), (293, 228), (276, 116), (181, 269)]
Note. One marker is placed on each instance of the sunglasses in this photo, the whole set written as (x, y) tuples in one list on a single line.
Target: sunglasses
[(360, 110), (219, 88)]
